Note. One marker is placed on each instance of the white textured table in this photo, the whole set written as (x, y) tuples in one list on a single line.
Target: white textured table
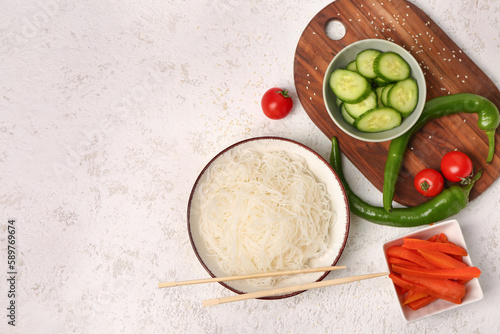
[(108, 112)]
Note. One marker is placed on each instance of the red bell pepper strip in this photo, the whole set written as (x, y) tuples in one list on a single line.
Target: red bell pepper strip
[(399, 281), (445, 247), (446, 273), (409, 255), (412, 296), (441, 259), (444, 287), (415, 305), (397, 260)]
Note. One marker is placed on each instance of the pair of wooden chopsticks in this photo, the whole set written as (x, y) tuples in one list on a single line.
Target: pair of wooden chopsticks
[(272, 292)]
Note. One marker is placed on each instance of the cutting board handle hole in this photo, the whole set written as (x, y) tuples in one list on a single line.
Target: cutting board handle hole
[(335, 29)]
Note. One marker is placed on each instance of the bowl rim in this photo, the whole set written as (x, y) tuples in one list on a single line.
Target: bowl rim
[(264, 138), (391, 134)]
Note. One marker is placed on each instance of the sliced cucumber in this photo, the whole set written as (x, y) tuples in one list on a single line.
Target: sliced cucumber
[(403, 96), (391, 67), (378, 91), (357, 109), (349, 86), (380, 82), (338, 102), (348, 118), (378, 120), (352, 66), (364, 62), (385, 92)]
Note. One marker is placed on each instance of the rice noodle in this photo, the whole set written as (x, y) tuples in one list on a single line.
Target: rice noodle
[(262, 212)]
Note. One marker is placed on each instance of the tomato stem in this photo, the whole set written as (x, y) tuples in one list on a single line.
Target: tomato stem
[(283, 92), (467, 180), (425, 186)]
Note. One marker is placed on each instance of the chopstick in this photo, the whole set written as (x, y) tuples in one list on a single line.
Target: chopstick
[(240, 277), (290, 289)]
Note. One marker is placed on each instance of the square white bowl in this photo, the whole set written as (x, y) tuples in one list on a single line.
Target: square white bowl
[(473, 291)]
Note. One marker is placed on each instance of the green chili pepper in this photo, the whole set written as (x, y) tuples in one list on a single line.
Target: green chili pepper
[(449, 202), (488, 121)]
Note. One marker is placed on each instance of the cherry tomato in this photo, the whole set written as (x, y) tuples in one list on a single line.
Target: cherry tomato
[(456, 166), (429, 182), (276, 103)]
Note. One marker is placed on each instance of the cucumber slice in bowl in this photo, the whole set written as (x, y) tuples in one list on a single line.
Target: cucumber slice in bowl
[(352, 66), (379, 91), (385, 93), (349, 86), (380, 82), (345, 115), (403, 96), (338, 102), (358, 109), (364, 63), (391, 67), (378, 120)]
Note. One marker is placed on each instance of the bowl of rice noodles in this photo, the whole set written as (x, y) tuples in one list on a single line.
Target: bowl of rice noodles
[(267, 204)]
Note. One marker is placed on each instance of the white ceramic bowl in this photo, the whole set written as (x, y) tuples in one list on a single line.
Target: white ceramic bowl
[(347, 55), (323, 173), (473, 291)]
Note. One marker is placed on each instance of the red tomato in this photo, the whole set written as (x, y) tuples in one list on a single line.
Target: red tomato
[(429, 182), (456, 166), (276, 103)]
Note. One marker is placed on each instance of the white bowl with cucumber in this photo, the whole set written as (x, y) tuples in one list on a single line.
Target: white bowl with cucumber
[(374, 90)]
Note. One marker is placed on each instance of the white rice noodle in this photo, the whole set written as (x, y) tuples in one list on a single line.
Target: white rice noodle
[(263, 212)]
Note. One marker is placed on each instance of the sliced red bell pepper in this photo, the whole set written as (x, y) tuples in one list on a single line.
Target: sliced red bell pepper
[(445, 247), (433, 238), (442, 237), (409, 255), (440, 259), (412, 296), (415, 305), (445, 239), (399, 281), (444, 287), (446, 273), (397, 260)]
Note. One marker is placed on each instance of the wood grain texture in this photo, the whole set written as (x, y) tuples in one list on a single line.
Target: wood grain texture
[(448, 70)]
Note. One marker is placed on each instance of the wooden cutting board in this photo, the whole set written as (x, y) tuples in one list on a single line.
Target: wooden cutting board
[(448, 70)]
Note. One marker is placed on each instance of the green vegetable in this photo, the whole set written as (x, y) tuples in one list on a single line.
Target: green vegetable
[(403, 96), (391, 67), (364, 63), (378, 119), (488, 121), (349, 86), (449, 202), (358, 109)]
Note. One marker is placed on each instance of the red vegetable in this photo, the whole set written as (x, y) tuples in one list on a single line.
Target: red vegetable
[(441, 259), (433, 238), (426, 270), (429, 182), (444, 273), (445, 287), (397, 260), (419, 288), (276, 103), (442, 237), (445, 247), (409, 255), (456, 166), (415, 305), (412, 296)]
